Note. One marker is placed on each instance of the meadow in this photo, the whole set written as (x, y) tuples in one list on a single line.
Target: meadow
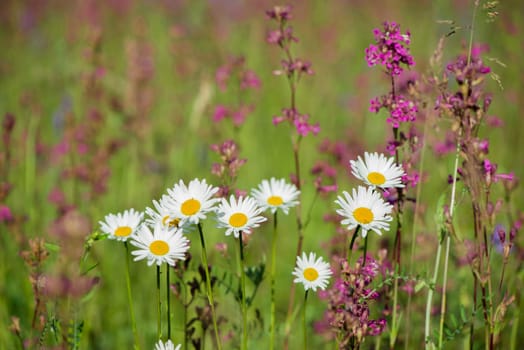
[(107, 106)]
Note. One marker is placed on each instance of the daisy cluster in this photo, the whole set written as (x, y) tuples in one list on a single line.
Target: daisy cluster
[(161, 236), (365, 207)]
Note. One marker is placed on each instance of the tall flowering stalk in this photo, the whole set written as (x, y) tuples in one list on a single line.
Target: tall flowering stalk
[(391, 50), (293, 68), (122, 227), (238, 217), (274, 195), (313, 273)]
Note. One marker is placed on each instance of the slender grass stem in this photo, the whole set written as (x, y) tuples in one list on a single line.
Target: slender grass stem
[(243, 291), (353, 238), (130, 299), (437, 260), (168, 301), (272, 277), (208, 286), (444, 286), (159, 310), (304, 323)]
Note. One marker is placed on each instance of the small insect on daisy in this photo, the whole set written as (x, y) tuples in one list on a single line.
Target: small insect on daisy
[(377, 171), (365, 208), (168, 345), (312, 272), (276, 194), (122, 226), (162, 213), (239, 215), (162, 245), (191, 203)]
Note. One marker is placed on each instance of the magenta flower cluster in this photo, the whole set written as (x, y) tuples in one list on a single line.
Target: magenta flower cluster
[(391, 49), (348, 313), (300, 121), (400, 108), (292, 67)]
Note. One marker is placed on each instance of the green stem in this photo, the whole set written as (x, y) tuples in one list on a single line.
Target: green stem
[(159, 310), (272, 277), (414, 231), (304, 323), (243, 290), (208, 286), (130, 300), (365, 251), (444, 285), (437, 260), (168, 301), (350, 249)]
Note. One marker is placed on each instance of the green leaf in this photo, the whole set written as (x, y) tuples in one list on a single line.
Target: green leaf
[(55, 248)]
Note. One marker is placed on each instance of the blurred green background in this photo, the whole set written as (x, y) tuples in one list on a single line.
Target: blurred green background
[(146, 70)]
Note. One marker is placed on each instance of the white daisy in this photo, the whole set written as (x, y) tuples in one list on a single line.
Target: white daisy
[(191, 203), (121, 226), (168, 345), (239, 215), (365, 208), (313, 273), (164, 213), (378, 171), (275, 194), (163, 245)]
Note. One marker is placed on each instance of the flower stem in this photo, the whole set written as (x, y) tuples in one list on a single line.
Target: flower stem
[(208, 286), (272, 277), (159, 311), (365, 251), (130, 300), (168, 301), (243, 290), (304, 324), (350, 250)]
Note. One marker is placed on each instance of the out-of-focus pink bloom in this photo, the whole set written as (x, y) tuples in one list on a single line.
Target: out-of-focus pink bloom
[(5, 213), (220, 113), (250, 80)]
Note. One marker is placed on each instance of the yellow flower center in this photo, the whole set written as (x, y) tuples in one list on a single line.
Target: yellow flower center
[(363, 215), (376, 178), (275, 201), (123, 231), (238, 219), (310, 274), (190, 207), (159, 247), (167, 221)]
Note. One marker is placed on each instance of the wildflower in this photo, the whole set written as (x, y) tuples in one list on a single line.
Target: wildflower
[(239, 215), (312, 272), (391, 49), (377, 171), (275, 194), (365, 208), (168, 345), (5, 213), (191, 203), (163, 213), (163, 245), (122, 225)]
